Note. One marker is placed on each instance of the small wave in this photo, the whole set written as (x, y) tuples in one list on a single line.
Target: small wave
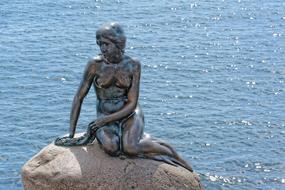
[(239, 122), (225, 179)]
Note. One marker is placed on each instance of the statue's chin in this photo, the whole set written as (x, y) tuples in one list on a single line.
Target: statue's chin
[(114, 58)]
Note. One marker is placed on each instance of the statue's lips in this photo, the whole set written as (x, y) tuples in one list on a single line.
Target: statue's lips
[(106, 55)]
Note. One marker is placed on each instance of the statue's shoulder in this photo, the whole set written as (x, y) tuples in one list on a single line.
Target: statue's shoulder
[(134, 62), (94, 62)]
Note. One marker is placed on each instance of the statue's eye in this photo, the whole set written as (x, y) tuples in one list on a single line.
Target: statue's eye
[(104, 44), (100, 43)]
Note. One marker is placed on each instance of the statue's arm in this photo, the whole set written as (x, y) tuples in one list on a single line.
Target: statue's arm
[(132, 101), (82, 91)]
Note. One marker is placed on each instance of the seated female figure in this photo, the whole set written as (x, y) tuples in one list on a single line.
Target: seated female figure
[(120, 121)]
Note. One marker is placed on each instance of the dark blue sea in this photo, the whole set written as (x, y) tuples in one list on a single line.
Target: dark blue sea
[(213, 81)]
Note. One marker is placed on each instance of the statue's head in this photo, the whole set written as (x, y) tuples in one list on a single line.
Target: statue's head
[(114, 32)]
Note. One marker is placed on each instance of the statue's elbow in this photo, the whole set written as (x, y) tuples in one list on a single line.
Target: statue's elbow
[(133, 106)]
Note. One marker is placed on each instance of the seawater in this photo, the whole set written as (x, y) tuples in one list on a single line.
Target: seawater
[(212, 80)]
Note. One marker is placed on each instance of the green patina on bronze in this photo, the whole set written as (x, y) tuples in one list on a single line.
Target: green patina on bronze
[(120, 121)]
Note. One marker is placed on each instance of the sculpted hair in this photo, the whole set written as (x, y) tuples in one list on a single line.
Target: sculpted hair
[(114, 32)]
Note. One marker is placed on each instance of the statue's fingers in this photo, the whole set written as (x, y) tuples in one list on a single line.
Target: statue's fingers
[(92, 123), (58, 139), (95, 127)]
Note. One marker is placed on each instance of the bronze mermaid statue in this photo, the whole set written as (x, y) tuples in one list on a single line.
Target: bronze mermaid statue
[(119, 127)]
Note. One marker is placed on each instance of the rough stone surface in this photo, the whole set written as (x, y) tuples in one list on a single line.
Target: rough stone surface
[(88, 167)]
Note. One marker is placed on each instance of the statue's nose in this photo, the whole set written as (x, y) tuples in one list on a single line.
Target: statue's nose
[(103, 48)]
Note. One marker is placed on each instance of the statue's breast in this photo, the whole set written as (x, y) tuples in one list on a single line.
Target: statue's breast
[(109, 77), (122, 79)]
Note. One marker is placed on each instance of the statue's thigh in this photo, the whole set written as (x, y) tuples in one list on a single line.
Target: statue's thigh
[(133, 129)]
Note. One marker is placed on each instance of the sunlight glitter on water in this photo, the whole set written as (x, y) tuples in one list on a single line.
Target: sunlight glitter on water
[(212, 73)]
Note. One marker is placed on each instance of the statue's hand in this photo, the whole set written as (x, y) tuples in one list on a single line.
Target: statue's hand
[(62, 140), (94, 125)]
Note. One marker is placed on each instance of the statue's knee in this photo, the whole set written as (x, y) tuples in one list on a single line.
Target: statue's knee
[(130, 149), (111, 149)]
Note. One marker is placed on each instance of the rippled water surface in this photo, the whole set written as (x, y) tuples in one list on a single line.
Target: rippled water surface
[(212, 80)]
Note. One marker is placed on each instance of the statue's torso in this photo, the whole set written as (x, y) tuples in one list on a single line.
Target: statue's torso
[(112, 83)]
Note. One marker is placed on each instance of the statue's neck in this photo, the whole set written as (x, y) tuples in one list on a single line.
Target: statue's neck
[(114, 59)]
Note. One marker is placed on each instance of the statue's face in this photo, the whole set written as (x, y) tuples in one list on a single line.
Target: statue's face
[(109, 49)]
